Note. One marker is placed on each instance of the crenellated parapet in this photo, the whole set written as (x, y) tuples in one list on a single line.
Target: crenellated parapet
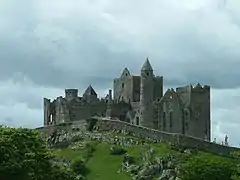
[(201, 89)]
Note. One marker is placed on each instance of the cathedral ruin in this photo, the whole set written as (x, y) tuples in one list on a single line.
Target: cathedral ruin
[(138, 100)]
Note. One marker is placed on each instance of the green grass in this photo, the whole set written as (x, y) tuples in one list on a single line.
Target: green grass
[(68, 153), (103, 166)]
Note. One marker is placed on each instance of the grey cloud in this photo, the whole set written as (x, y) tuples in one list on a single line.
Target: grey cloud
[(73, 51)]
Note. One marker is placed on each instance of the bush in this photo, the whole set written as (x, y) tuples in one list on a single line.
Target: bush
[(78, 166), (58, 173), (207, 169), (235, 154), (129, 159), (91, 123), (176, 147), (90, 148), (117, 151)]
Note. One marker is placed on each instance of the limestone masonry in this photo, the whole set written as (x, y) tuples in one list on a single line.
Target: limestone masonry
[(138, 100)]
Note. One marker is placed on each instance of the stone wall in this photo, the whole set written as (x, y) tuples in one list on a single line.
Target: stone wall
[(179, 139), (69, 126), (105, 124)]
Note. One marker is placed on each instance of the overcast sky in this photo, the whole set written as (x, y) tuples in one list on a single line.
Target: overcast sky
[(46, 46)]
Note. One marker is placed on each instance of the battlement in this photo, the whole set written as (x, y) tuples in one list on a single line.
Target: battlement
[(46, 100), (201, 89), (190, 88), (184, 89)]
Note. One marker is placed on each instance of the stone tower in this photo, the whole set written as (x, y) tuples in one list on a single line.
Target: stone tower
[(71, 94), (146, 95), (197, 112), (109, 111), (200, 124)]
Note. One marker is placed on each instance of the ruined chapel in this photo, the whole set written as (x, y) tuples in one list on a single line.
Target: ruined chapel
[(139, 100)]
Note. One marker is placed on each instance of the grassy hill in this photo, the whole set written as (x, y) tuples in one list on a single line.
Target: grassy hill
[(85, 155), (102, 163)]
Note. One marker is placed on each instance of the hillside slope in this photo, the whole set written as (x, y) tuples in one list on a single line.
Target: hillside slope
[(117, 156)]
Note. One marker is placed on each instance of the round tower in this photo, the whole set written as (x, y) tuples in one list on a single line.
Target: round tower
[(146, 95), (110, 106)]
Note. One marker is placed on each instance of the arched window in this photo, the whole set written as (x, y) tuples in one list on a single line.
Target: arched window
[(137, 120), (186, 126), (170, 120), (51, 119)]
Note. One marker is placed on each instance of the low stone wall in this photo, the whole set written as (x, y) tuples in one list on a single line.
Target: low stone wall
[(178, 139), (137, 131), (192, 142), (81, 125), (104, 124)]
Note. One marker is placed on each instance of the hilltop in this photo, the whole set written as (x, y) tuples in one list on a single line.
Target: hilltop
[(117, 155)]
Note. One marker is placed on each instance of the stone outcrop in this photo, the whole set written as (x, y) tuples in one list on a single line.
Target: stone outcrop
[(179, 140)]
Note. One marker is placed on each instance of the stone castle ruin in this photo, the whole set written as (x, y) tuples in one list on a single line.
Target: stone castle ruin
[(138, 100)]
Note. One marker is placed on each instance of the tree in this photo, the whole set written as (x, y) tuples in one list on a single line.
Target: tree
[(24, 156)]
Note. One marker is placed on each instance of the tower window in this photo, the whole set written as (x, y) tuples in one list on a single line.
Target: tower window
[(164, 121), (122, 85), (147, 74), (137, 121), (126, 74)]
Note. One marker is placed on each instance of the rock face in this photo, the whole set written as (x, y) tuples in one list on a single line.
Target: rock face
[(152, 166)]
